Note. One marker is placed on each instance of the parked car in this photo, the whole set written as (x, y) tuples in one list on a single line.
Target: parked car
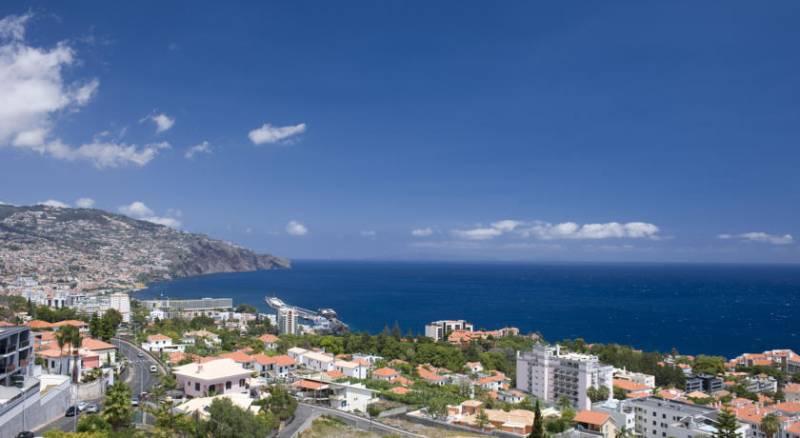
[(82, 405), (153, 369), (91, 408), (140, 355), (25, 434), (135, 401), (72, 411)]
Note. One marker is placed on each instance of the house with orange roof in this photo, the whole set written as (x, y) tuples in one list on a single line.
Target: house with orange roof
[(107, 352), (595, 422), (274, 366), (430, 377), (334, 374), (385, 374), (82, 327), (628, 386), (240, 357), (515, 421), (38, 324), (270, 341), (473, 367), (400, 390), (493, 382)]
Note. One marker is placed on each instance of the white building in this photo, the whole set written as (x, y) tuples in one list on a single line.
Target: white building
[(121, 302), (549, 374), (221, 376), (640, 378), (287, 321), (438, 330), (316, 361), (159, 343), (661, 418), (351, 369)]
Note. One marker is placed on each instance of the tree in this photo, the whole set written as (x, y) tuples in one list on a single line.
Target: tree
[(564, 403), (709, 365), (246, 308), (229, 421), (538, 424), (597, 394), (437, 407), (770, 425), (118, 410), (281, 403), (62, 340), (726, 424), (93, 423), (75, 340), (482, 420)]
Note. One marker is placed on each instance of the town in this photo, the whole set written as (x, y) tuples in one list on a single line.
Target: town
[(103, 363)]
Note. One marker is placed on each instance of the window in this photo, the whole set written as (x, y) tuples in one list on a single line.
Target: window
[(197, 386), (241, 382), (228, 384)]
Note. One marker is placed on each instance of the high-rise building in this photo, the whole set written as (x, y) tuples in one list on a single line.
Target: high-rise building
[(287, 321), (550, 374), (438, 330), (121, 302)]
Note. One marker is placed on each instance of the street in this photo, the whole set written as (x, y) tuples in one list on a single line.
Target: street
[(137, 375)]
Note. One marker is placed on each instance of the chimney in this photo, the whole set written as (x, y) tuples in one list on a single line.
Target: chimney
[(199, 368)]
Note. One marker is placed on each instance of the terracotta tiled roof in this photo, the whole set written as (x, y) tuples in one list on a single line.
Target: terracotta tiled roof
[(400, 390), (39, 324), (627, 385), (72, 322), (284, 360), (334, 374), (310, 384), (95, 344), (158, 337), (591, 417), (790, 407), (385, 372), (238, 356), (268, 338)]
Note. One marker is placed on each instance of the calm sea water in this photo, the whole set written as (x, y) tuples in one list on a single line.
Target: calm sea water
[(714, 309)]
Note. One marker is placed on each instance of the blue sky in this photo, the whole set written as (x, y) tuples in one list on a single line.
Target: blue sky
[(585, 131)]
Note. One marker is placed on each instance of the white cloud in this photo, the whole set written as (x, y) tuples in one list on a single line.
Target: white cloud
[(422, 232), (295, 228), (54, 203), (34, 94), (759, 236), (478, 233), (138, 210), (85, 202), (275, 134), (609, 230), (202, 148), (163, 122), (565, 230), (369, 233)]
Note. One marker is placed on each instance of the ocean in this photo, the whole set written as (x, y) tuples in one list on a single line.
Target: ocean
[(712, 309)]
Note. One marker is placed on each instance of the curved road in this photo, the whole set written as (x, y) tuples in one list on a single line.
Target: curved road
[(137, 375)]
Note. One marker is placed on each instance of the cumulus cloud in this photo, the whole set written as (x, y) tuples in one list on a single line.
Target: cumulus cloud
[(85, 202), (54, 203), (35, 93), (565, 230), (422, 232), (609, 230), (139, 210), (163, 122), (275, 134), (202, 148), (759, 236), (295, 228)]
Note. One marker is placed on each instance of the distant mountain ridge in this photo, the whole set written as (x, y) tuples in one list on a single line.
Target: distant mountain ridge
[(80, 242)]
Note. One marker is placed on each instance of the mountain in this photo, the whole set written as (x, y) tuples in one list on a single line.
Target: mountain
[(104, 249)]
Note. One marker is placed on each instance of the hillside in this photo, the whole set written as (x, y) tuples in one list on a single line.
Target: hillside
[(101, 249)]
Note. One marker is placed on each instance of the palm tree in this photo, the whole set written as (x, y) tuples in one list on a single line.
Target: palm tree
[(74, 338), (61, 340), (770, 425)]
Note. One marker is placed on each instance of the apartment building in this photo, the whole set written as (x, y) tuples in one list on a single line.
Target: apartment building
[(648, 380), (704, 383), (186, 308), (661, 418), (287, 321), (440, 330), (550, 374)]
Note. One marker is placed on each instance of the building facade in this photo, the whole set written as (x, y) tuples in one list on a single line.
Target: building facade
[(550, 374), (439, 330)]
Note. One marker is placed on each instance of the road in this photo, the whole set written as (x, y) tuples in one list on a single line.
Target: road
[(137, 375), (306, 411)]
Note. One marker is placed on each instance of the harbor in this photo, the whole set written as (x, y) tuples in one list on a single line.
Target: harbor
[(297, 320)]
